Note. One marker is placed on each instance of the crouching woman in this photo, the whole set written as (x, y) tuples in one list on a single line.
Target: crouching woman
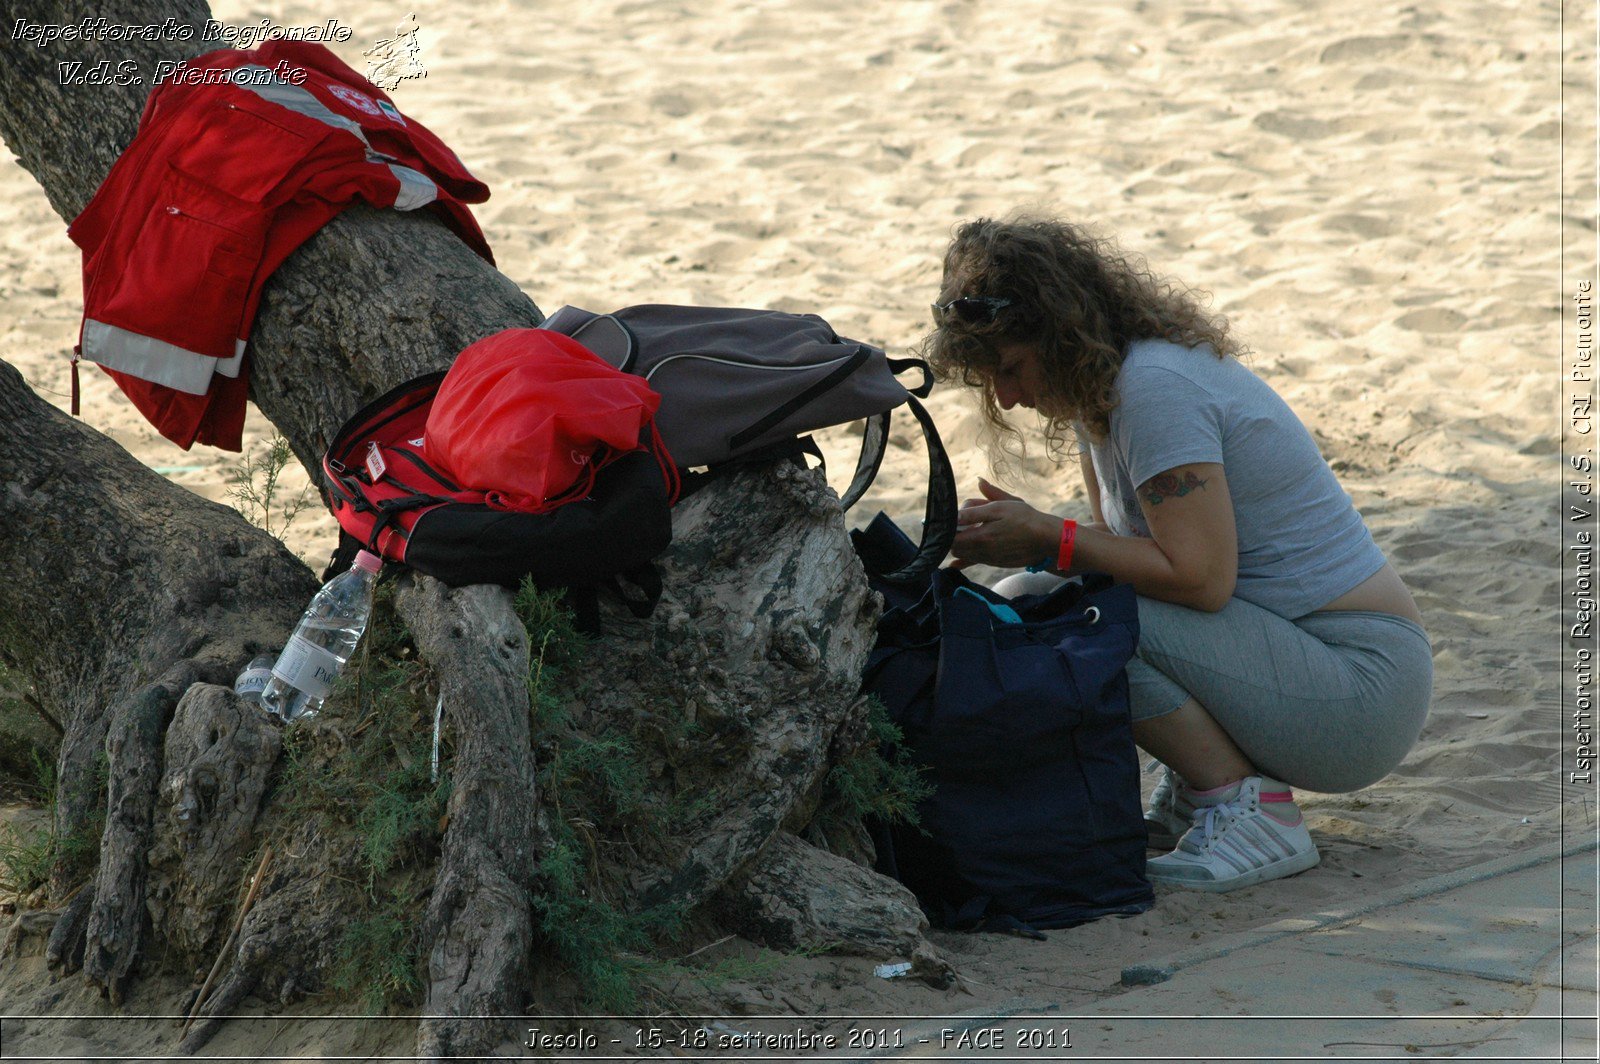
[(1278, 647)]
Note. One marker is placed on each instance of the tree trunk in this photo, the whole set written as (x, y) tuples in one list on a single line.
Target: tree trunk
[(129, 600)]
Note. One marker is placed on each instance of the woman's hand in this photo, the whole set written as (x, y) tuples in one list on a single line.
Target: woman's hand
[(1002, 530)]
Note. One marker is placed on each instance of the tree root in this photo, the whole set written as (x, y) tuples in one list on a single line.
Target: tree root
[(219, 757), (244, 910), (478, 930), (731, 694), (116, 920), (37, 924), (799, 897), (256, 952), (63, 954), (288, 938)]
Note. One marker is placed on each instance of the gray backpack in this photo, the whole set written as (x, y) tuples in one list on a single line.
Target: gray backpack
[(747, 385)]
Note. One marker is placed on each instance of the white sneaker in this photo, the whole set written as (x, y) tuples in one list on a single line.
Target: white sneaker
[(1170, 812), (1238, 842)]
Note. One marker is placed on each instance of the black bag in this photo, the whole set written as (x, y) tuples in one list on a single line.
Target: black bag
[(389, 500), (746, 385), (1019, 711)]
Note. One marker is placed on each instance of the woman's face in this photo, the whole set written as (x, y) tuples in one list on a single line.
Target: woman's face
[(1019, 379)]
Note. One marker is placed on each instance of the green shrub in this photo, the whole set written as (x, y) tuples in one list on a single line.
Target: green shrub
[(879, 781), (28, 746), (373, 797), (586, 780), (376, 958), (28, 858)]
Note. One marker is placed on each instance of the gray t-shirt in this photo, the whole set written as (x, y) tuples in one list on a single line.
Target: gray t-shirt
[(1301, 542)]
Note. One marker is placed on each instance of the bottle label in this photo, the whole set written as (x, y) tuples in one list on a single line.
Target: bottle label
[(252, 682), (307, 667)]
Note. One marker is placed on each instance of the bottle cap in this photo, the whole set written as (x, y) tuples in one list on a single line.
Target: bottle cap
[(368, 561)]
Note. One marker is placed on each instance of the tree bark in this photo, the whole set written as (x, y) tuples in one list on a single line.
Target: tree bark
[(116, 921), (96, 534), (130, 599)]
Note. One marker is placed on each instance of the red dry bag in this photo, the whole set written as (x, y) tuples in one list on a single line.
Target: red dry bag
[(528, 417)]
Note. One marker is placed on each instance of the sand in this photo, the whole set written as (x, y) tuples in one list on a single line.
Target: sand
[(1372, 193)]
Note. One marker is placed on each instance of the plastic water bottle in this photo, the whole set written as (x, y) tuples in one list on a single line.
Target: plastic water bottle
[(253, 680), (324, 640)]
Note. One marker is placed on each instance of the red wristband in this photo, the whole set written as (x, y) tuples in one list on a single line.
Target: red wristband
[(1069, 536)]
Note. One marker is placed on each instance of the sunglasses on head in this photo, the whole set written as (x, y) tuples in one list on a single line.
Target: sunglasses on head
[(974, 310)]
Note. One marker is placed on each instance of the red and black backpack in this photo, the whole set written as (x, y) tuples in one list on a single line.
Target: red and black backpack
[(390, 498)]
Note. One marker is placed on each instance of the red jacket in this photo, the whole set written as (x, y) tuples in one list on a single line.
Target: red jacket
[(221, 184)]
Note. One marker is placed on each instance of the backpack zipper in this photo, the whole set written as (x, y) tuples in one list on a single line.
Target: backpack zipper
[(416, 460)]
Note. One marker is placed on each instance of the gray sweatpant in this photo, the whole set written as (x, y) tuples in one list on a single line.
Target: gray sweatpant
[(1329, 702)]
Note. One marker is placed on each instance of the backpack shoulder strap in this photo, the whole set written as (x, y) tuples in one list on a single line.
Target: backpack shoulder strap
[(939, 517), (898, 366), (877, 434), (873, 445)]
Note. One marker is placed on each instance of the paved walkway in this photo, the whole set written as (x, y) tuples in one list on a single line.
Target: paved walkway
[(1494, 962)]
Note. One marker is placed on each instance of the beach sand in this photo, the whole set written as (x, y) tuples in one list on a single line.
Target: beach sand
[(1372, 193)]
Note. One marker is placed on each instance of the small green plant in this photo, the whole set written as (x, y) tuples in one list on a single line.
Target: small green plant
[(556, 645), (606, 948), (28, 858), (586, 780), (28, 744), (375, 795), (256, 490), (377, 957), (880, 781)]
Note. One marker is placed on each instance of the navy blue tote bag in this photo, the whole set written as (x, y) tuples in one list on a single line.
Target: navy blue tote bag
[(1019, 711)]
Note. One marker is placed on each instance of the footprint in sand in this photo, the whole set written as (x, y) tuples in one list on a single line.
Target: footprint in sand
[(1383, 81), (1364, 225), (1358, 48), (1432, 320), (1425, 548), (1275, 216), (1480, 699), (1294, 126), (672, 104)]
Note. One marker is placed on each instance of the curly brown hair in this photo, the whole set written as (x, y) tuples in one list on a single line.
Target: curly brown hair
[(1079, 299)]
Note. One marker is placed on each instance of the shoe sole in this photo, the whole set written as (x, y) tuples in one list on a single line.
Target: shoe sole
[(1289, 866)]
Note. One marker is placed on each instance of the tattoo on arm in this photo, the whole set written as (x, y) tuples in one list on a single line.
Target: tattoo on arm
[(1166, 486)]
